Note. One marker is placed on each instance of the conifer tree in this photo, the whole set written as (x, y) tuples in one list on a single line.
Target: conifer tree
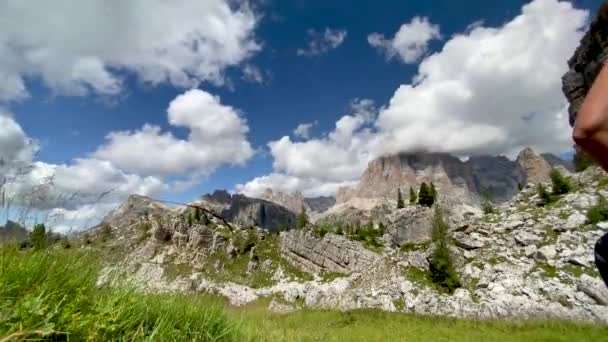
[(400, 203), (433, 192), (413, 197), (425, 196)]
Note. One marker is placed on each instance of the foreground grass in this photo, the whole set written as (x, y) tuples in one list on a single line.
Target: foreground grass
[(52, 295), (374, 325)]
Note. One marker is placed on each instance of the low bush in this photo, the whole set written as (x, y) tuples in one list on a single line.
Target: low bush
[(561, 184), (599, 212)]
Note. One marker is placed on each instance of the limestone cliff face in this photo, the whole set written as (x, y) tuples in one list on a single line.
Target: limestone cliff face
[(247, 211), (497, 175), (295, 201), (586, 62), (534, 167), (332, 253), (384, 175), (456, 181)]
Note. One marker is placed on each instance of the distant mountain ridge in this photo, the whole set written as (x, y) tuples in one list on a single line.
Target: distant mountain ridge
[(296, 201), (248, 211), (13, 231), (456, 180)]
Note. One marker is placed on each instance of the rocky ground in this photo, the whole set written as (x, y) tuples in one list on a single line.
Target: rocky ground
[(523, 260)]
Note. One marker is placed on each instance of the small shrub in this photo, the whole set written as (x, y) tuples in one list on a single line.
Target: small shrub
[(545, 196), (321, 231), (39, 236), (561, 184), (302, 218), (487, 206), (599, 212)]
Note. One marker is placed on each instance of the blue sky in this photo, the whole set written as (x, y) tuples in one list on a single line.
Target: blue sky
[(352, 79)]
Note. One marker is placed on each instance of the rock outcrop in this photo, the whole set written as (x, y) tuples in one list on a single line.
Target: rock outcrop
[(246, 211), (534, 167), (586, 62), (133, 209), (332, 253), (410, 225)]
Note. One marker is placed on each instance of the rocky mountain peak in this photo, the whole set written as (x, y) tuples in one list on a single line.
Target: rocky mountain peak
[(292, 201), (218, 196), (247, 211), (133, 208), (534, 167)]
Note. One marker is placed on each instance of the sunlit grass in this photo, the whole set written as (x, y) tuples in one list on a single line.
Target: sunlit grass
[(52, 295)]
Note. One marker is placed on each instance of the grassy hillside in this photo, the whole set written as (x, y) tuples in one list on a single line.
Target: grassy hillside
[(51, 295)]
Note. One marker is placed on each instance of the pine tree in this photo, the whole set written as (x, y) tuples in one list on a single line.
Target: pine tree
[(433, 192), (197, 215), (190, 219), (302, 218), (400, 203), (39, 236), (441, 265), (413, 197), (425, 196)]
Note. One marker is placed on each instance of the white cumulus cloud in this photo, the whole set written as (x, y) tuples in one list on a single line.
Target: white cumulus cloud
[(79, 47), (490, 90), (217, 136), (322, 42), (410, 42)]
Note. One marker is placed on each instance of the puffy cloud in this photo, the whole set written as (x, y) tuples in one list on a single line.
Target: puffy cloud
[(15, 145), (490, 90), (319, 166), (310, 187), (85, 181), (410, 42), (80, 47), (138, 162), (321, 42), (303, 129), (217, 137)]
